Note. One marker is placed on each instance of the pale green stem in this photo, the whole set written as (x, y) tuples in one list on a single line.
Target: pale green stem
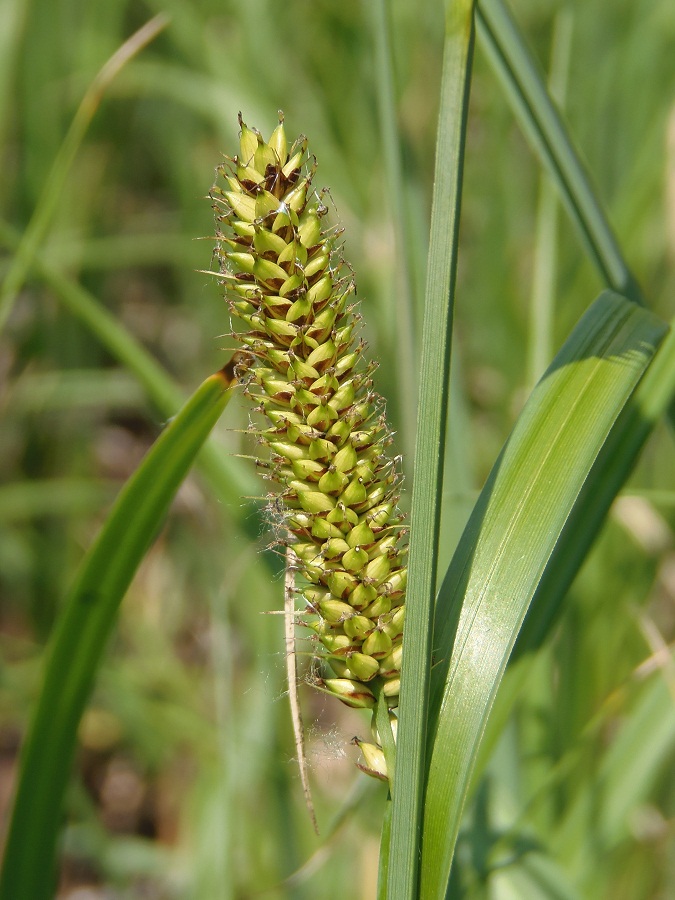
[(430, 453), (405, 329), (542, 302)]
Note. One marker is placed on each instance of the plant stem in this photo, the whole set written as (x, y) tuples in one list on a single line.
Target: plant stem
[(430, 452)]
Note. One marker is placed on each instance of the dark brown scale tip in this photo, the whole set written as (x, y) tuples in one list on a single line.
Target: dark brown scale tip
[(232, 370)]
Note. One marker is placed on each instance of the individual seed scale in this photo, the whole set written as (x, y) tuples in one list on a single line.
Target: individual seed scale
[(303, 367)]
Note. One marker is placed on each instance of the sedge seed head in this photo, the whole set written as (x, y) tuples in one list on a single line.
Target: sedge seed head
[(292, 292)]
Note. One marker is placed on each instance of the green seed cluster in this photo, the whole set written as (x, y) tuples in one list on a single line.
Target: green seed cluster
[(324, 426)]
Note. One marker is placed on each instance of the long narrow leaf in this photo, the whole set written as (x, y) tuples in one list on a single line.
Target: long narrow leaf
[(81, 636), (610, 470), (509, 542), (540, 120), (430, 452)]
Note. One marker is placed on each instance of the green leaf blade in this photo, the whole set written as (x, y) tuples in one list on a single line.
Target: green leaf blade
[(81, 635), (509, 541)]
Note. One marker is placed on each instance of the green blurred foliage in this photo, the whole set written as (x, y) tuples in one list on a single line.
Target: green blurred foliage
[(186, 785)]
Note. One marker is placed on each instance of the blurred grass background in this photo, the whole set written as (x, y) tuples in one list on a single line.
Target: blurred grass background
[(186, 785)]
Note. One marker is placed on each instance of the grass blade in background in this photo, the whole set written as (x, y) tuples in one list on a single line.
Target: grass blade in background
[(510, 540), (25, 499), (544, 127), (13, 25), (81, 636), (404, 320), (633, 763), (542, 302), (430, 451), (56, 179), (230, 478)]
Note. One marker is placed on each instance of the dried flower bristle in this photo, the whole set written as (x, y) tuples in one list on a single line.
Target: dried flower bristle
[(328, 439)]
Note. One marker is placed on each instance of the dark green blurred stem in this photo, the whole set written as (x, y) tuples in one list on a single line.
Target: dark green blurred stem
[(81, 635), (15, 19)]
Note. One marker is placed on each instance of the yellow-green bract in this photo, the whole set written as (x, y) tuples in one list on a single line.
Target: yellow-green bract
[(336, 509)]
